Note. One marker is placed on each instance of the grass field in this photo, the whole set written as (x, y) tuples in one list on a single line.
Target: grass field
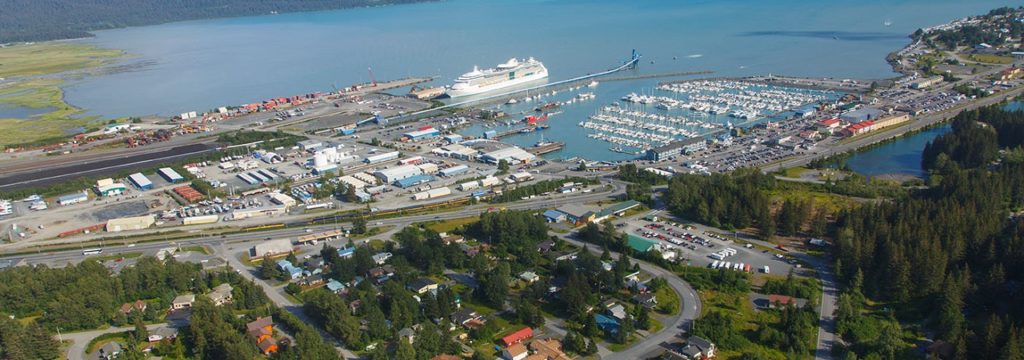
[(26, 63), (449, 225), (992, 59)]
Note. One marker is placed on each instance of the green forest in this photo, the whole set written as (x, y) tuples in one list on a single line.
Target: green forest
[(40, 20)]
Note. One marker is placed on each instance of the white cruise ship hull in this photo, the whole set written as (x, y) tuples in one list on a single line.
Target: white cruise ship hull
[(474, 90)]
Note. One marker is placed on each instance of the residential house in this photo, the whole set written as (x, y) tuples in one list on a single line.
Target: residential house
[(529, 277), (183, 302), (138, 305), (293, 271), (617, 311), (221, 294), (548, 349), (606, 323), (407, 334), (776, 300), (446, 357), (517, 336), (647, 300), (381, 274), (262, 332), (466, 316), (335, 286), (545, 246), (381, 258), (422, 286), (700, 346), (313, 280), (162, 333), (515, 352)]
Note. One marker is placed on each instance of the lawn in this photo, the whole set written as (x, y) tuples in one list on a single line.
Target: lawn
[(196, 248), (794, 172), (992, 59), (451, 224), (52, 58)]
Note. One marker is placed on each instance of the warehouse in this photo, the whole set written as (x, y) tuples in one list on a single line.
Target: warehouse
[(862, 114), (130, 223), (490, 181), (140, 181), (466, 186), (421, 134), (71, 199), (241, 214), (373, 159), (350, 181), (413, 181), (271, 248), (457, 151), (513, 155), (170, 175), (453, 139), (281, 199), (397, 173), (197, 220), (454, 170), (428, 168), (432, 193), (310, 145)]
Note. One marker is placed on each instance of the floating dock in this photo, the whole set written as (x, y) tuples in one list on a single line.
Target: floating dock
[(546, 148)]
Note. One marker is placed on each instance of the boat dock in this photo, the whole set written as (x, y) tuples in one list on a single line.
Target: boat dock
[(520, 130), (546, 148), (630, 64)]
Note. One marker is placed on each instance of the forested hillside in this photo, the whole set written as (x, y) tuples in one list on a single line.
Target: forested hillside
[(38, 20)]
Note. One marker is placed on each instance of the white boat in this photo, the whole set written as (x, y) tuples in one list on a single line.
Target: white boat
[(592, 83), (510, 73), (511, 101)]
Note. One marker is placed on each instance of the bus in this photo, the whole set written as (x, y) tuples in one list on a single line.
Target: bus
[(95, 251)]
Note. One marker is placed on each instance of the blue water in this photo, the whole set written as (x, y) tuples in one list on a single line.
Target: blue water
[(200, 65), (902, 156), (8, 111)]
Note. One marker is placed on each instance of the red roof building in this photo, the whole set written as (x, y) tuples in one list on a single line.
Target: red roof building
[(517, 337), (782, 300), (859, 128)]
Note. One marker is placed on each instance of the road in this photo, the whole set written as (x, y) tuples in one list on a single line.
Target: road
[(79, 340), (682, 321)]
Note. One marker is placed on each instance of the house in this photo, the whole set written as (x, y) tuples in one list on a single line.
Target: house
[(138, 305), (647, 300), (699, 348), (529, 277), (335, 286), (545, 246), (553, 216), (515, 352), (464, 316), (110, 350), (262, 331), (162, 333), (381, 258), (446, 357), (549, 349), (381, 274), (407, 334), (293, 271), (183, 302), (221, 294), (617, 311), (313, 280), (422, 286), (781, 300), (517, 336), (606, 323)]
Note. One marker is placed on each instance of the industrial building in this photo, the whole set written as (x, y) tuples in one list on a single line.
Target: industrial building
[(310, 145), (373, 159), (453, 139), (197, 220), (140, 181), (71, 199), (432, 193), (397, 173), (454, 170), (677, 148), (512, 155), (350, 181), (107, 187), (170, 175), (271, 248), (421, 134), (413, 181), (925, 82), (457, 151), (130, 223), (240, 214), (282, 199), (428, 168), (863, 114)]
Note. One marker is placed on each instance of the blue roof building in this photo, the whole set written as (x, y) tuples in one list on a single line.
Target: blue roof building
[(554, 216), (413, 181), (286, 266), (335, 285), (346, 252), (607, 323)]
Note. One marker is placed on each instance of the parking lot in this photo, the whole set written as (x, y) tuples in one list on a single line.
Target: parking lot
[(697, 244)]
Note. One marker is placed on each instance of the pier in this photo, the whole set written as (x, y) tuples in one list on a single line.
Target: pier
[(546, 148), (630, 64), (520, 130)]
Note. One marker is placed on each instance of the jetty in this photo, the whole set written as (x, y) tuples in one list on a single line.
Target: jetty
[(546, 148)]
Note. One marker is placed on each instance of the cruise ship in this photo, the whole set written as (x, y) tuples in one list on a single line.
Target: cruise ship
[(512, 72)]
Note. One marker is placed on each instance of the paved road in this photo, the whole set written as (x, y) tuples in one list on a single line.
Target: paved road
[(79, 340), (682, 321)]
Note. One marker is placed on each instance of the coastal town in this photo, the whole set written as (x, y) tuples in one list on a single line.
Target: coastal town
[(382, 220)]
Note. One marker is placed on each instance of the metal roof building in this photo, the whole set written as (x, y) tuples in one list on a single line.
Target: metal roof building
[(513, 155), (454, 170), (413, 181), (130, 223), (397, 173), (271, 247), (140, 181), (170, 175)]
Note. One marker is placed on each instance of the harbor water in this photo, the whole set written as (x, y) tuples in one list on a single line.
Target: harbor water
[(200, 65)]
